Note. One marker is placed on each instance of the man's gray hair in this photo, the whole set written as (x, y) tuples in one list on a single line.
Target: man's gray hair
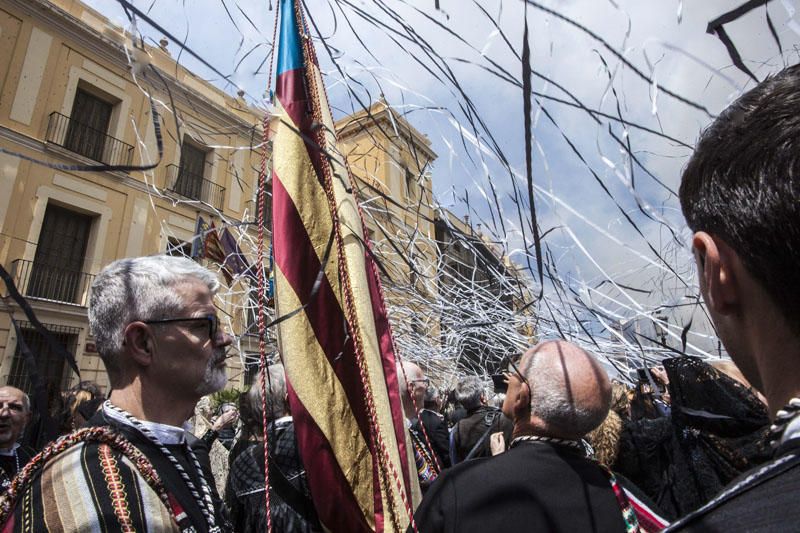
[(26, 402), (553, 402), (137, 288), (277, 406), (469, 391)]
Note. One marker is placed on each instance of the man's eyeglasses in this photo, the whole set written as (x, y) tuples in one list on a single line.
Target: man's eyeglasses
[(517, 371), (212, 320), (424, 381), (500, 381)]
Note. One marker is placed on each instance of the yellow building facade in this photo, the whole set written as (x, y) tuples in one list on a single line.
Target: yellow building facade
[(68, 96), (392, 165), (391, 161)]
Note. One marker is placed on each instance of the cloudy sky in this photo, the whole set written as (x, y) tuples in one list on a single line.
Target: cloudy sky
[(455, 74)]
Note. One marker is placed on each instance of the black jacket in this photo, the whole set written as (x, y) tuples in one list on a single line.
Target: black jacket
[(534, 486), (437, 432), (471, 429)]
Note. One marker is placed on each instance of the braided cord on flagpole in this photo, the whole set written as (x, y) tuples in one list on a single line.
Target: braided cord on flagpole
[(262, 342)]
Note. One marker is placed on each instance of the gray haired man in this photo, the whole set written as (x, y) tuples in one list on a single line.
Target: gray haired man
[(470, 437), (134, 467), (15, 413)]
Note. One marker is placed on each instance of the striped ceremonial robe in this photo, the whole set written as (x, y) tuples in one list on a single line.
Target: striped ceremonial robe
[(334, 339), (90, 487)]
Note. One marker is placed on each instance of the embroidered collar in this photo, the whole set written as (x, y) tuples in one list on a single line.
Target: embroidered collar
[(578, 445), (786, 418), (202, 495), (166, 434)]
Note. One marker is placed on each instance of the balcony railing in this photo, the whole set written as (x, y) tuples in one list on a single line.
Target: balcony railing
[(75, 136), (40, 280), (194, 186)]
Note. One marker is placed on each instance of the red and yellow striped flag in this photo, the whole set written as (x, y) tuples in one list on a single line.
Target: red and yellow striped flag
[(338, 354)]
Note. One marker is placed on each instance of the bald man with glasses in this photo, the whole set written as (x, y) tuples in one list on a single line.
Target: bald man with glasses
[(546, 481)]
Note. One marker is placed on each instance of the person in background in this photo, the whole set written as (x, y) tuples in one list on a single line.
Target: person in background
[(717, 429), (433, 400), (425, 427), (290, 500), (557, 393), (15, 413), (84, 391), (470, 437), (209, 447)]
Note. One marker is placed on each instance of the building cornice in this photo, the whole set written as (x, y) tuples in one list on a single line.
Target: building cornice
[(123, 178), (112, 51), (365, 120)]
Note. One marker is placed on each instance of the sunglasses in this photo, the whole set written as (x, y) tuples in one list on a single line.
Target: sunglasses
[(212, 320)]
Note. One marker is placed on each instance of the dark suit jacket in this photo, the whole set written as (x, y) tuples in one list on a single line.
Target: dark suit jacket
[(763, 499), (534, 486), (437, 433)]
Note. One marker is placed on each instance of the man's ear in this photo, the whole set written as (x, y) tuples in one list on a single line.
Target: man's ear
[(139, 342), (716, 267), (522, 403)]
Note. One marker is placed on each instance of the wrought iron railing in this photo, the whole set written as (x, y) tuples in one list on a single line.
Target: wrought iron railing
[(194, 186), (75, 136), (40, 280)]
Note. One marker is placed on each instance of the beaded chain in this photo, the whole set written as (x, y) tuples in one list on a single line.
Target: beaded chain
[(205, 502), (782, 419), (6, 481)]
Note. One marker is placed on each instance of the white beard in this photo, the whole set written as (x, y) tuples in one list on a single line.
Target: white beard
[(214, 378)]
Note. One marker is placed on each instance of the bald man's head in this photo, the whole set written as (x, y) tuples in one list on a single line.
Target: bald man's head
[(15, 412), (570, 392), (416, 385)]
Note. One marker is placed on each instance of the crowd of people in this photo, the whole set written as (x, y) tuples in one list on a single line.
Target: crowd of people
[(553, 445)]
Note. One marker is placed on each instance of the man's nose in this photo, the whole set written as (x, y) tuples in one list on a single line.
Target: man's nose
[(223, 338)]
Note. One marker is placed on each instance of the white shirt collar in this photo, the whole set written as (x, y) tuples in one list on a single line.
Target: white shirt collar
[(9, 451), (165, 433), (792, 430)]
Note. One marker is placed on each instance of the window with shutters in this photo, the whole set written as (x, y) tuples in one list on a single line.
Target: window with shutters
[(251, 367), (57, 270), (52, 371), (411, 186), (191, 171), (87, 132), (50, 365)]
